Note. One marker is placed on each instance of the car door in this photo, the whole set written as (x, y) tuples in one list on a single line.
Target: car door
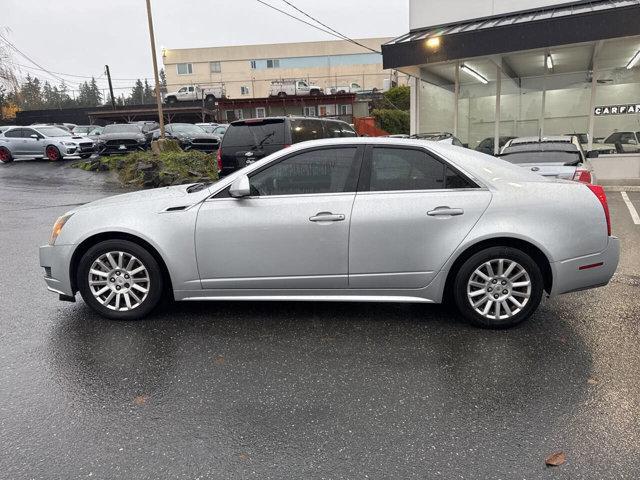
[(291, 233), (410, 213), (32, 146), (14, 141), (183, 94)]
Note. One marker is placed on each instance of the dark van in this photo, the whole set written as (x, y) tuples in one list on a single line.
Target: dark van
[(246, 141)]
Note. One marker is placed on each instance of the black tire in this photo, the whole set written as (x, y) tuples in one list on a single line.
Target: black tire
[(210, 98), (84, 156), (5, 155), (172, 100), (155, 285), (466, 273), (282, 94)]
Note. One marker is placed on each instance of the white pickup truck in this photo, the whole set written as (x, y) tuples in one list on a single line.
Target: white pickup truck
[(352, 87), (190, 93), (283, 88)]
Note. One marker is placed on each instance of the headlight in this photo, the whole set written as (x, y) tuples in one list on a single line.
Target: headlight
[(69, 144), (57, 227), (142, 140)]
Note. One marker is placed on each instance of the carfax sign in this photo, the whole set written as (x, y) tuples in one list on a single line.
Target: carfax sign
[(628, 108)]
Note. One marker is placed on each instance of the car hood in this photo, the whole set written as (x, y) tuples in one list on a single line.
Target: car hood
[(74, 139), (159, 198), (199, 136), (121, 136)]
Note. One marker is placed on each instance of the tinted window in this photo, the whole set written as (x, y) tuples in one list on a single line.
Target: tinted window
[(318, 171), (620, 137), (303, 130), (15, 133), (27, 132), (121, 128), (455, 180), (404, 169), (338, 129), (252, 134), (542, 157)]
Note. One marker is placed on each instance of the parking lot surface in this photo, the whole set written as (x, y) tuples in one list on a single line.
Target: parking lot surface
[(305, 390)]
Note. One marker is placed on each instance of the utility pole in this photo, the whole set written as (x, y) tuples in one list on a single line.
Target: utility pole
[(155, 69), (113, 100)]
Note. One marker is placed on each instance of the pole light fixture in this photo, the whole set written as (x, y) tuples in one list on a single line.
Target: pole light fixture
[(473, 73), (634, 60)]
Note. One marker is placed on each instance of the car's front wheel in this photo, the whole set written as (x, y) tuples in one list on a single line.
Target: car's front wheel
[(52, 153), (120, 280), (498, 287)]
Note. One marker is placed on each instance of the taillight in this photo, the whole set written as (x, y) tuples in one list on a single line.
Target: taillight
[(598, 191), (219, 159), (582, 175)]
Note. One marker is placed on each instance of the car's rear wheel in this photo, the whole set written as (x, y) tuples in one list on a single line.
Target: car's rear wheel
[(5, 155), (498, 287), (282, 94), (52, 153), (120, 280)]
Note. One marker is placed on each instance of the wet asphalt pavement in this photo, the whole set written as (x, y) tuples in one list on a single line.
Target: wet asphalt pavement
[(305, 390)]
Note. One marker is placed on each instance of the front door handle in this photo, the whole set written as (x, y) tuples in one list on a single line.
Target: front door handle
[(445, 211), (327, 217)]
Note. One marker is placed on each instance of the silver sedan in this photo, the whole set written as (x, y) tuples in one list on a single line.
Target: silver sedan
[(352, 219)]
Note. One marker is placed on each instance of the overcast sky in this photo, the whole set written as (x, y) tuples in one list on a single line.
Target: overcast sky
[(80, 36)]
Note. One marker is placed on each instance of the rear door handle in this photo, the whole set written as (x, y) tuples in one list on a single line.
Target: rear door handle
[(327, 217), (445, 211)]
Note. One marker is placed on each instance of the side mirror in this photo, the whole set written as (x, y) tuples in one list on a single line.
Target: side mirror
[(240, 187), (33, 135), (593, 154)]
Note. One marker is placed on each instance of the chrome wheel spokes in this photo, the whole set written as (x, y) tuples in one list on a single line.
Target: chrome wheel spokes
[(499, 288), (119, 281)]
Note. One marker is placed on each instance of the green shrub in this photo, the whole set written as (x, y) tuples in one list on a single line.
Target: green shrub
[(398, 97), (145, 169), (392, 121)]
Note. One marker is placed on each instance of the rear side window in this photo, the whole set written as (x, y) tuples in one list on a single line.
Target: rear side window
[(306, 129), (254, 134), (405, 169), (339, 129), (329, 170), (15, 133)]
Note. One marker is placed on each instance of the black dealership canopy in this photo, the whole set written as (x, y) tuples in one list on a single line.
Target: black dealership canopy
[(576, 22)]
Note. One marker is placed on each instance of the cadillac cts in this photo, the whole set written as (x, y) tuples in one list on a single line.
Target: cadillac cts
[(351, 219)]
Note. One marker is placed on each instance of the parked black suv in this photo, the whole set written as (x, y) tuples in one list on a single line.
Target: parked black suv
[(246, 141)]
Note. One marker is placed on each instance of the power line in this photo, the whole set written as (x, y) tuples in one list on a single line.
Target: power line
[(344, 37), (29, 58), (299, 19)]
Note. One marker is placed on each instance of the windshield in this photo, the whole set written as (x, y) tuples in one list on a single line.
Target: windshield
[(186, 128), (53, 132), (121, 128), (549, 156), (220, 130)]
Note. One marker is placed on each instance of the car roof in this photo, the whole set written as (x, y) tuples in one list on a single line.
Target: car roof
[(284, 117), (551, 138)]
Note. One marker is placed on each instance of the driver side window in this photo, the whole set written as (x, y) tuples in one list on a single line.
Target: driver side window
[(331, 170)]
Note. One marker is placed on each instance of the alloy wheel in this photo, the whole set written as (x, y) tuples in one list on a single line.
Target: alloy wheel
[(5, 155), (119, 281), (499, 288), (52, 153)]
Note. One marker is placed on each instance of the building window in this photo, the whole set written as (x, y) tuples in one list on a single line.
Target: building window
[(253, 64), (214, 67), (244, 90), (345, 109), (232, 115), (261, 112), (327, 110), (184, 68), (309, 111), (273, 63)]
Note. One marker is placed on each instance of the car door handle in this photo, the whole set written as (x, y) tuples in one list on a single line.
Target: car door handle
[(445, 211), (327, 217)]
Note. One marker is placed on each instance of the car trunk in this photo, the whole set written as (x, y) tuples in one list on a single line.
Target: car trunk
[(551, 169)]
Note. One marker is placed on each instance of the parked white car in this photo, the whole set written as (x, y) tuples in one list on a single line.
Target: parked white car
[(190, 93), (284, 88), (352, 87), (37, 141)]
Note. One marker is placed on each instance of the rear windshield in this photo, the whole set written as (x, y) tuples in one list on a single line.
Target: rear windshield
[(244, 134), (542, 157), (303, 130), (116, 128)]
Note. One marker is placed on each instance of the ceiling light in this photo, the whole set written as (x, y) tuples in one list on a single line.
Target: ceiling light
[(474, 74), (549, 62), (634, 60), (433, 42)]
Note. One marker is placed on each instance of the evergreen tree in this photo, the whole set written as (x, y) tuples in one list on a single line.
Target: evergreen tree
[(137, 94), (149, 94)]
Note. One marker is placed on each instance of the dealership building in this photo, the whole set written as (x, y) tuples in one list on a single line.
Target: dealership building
[(496, 68)]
